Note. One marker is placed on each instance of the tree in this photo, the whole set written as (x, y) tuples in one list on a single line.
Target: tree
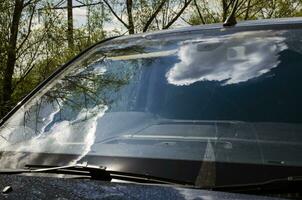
[(34, 43), (11, 47), (96, 17), (207, 11), (149, 15)]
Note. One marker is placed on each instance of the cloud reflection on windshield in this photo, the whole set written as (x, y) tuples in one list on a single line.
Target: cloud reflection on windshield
[(64, 137), (233, 58)]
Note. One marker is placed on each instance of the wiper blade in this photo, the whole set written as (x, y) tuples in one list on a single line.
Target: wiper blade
[(279, 185), (97, 173)]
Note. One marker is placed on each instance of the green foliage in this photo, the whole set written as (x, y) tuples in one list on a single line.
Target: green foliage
[(211, 11), (4, 31), (42, 43)]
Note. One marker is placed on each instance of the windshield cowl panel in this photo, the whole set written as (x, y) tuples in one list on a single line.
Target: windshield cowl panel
[(205, 98)]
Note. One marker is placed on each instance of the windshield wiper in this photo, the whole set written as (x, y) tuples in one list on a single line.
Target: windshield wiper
[(279, 185), (95, 172), (92, 171)]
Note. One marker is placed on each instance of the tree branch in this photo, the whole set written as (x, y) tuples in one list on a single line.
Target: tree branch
[(59, 3), (114, 13), (31, 2), (229, 4), (80, 2), (76, 6), (27, 3), (29, 28), (199, 13), (153, 16), (24, 76), (178, 14)]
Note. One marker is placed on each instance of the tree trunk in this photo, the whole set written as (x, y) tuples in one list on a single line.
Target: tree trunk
[(7, 84), (224, 10), (69, 24), (130, 17), (88, 24), (247, 10)]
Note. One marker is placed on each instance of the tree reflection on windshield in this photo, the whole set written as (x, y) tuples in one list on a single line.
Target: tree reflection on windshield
[(65, 117), (231, 98)]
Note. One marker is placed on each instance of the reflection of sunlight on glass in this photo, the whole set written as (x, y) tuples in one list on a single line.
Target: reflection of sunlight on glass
[(233, 58), (99, 70), (48, 119), (144, 55), (61, 119), (115, 167), (74, 137), (90, 136), (192, 194)]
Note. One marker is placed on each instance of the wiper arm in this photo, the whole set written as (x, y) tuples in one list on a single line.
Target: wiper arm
[(288, 184), (93, 171), (96, 173)]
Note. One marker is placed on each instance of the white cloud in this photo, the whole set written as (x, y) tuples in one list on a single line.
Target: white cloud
[(233, 58)]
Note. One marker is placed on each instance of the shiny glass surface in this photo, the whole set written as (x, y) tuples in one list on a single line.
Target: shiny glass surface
[(229, 97)]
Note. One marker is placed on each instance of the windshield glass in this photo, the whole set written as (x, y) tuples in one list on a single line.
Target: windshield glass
[(219, 96)]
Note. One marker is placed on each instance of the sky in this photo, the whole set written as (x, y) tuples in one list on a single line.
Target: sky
[(80, 19)]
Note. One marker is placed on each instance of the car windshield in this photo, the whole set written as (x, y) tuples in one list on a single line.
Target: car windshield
[(221, 96)]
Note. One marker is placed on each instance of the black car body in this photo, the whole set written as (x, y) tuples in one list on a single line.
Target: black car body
[(207, 107)]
